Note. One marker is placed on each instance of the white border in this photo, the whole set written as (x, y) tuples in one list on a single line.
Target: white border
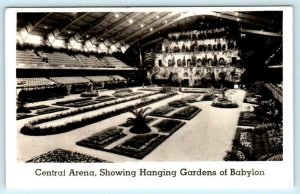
[(21, 175)]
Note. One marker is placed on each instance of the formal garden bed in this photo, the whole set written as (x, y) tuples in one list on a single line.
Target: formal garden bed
[(186, 113), (64, 102), (178, 103), (64, 156), (168, 125), (128, 124), (127, 94), (195, 90), (139, 146), (224, 103), (24, 115), (33, 129), (105, 98), (50, 110), (81, 104), (37, 107), (248, 118), (103, 138), (84, 109), (161, 111)]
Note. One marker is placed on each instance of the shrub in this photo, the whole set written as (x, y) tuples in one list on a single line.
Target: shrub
[(224, 103)]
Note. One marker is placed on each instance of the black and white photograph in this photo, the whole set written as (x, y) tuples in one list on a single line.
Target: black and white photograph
[(150, 85)]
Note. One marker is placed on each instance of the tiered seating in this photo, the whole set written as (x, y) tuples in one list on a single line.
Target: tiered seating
[(112, 61), (58, 59), (28, 58), (33, 82), (70, 80), (96, 79), (91, 61)]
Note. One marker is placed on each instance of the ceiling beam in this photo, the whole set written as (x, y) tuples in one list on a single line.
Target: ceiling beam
[(162, 27), (248, 16), (40, 21), (73, 21), (116, 24), (241, 20), (145, 19), (261, 32), (134, 35), (97, 23)]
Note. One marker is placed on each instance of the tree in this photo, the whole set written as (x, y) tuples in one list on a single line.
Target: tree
[(139, 123)]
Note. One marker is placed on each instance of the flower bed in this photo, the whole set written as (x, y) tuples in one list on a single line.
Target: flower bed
[(31, 129), (127, 124), (92, 93), (224, 103), (272, 137), (81, 104), (103, 138), (71, 101), (187, 113), (85, 109), (169, 125), (140, 145), (24, 115), (50, 110), (37, 107), (178, 103), (160, 111), (105, 98), (247, 142), (64, 156), (126, 94), (248, 119), (195, 90)]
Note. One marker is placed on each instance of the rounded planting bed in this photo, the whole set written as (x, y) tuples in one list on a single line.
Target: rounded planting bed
[(224, 103)]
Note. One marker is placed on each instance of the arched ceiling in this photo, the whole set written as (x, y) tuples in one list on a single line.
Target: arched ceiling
[(127, 28)]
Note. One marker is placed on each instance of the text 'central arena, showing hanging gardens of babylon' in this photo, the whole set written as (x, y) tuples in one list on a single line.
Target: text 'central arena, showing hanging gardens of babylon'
[(149, 86)]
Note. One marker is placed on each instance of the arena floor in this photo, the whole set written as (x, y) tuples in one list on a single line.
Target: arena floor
[(206, 137)]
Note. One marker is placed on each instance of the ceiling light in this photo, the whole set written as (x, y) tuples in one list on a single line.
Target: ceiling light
[(236, 13), (166, 21), (69, 32), (46, 27), (151, 29), (117, 15), (157, 17), (238, 19), (181, 14), (130, 21), (87, 36), (142, 25)]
